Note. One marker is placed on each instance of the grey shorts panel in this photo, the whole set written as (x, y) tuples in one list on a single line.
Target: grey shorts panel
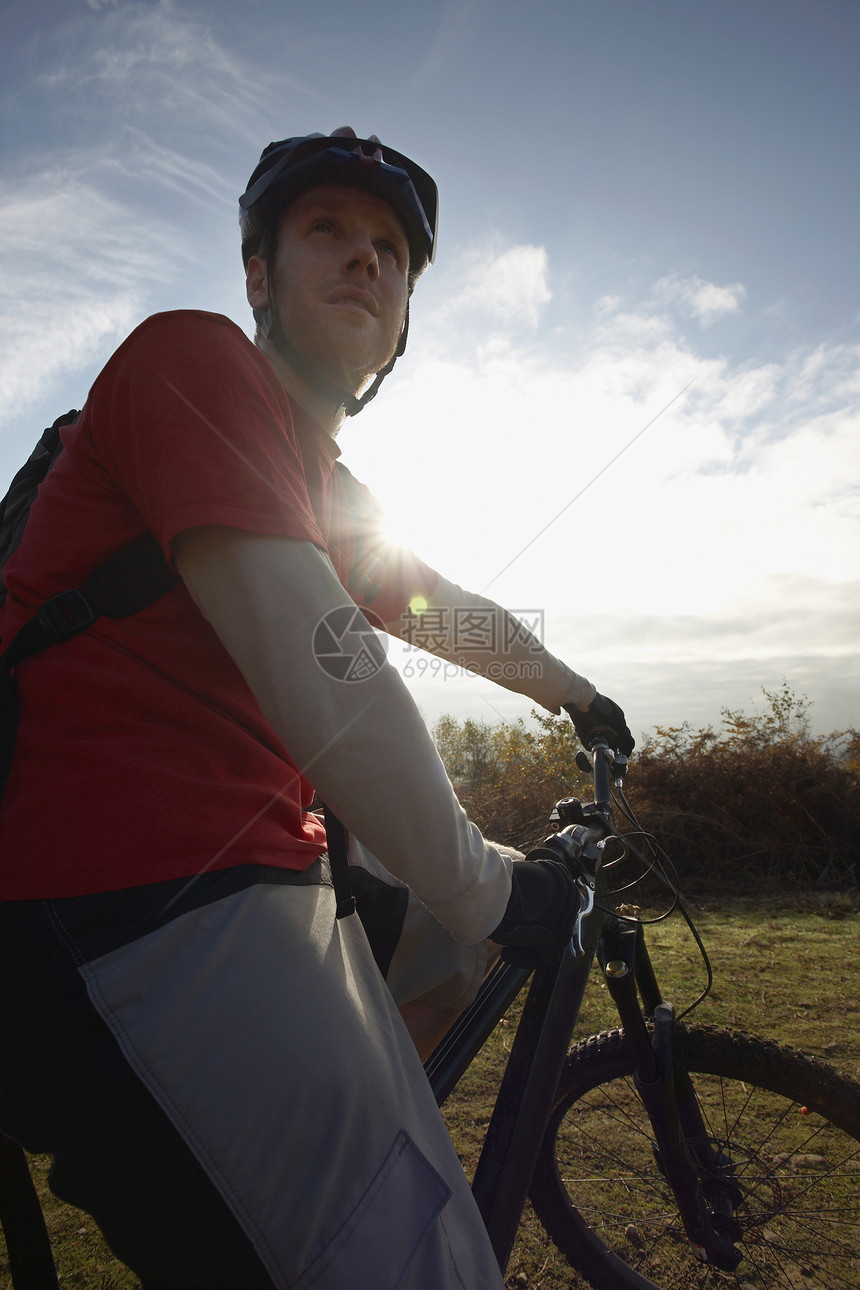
[(405, 1185), (267, 1036), (428, 964)]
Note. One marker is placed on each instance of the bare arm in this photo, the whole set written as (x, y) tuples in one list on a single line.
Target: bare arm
[(362, 744)]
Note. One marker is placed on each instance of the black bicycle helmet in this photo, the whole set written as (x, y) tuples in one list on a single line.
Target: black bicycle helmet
[(292, 166)]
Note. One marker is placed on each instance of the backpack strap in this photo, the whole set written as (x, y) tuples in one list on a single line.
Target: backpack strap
[(27, 1244), (338, 859), (15, 506), (126, 582)]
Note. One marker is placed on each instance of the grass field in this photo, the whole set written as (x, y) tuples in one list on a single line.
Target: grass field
[(786, 972)]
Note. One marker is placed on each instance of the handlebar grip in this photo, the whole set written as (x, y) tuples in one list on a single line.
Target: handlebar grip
[(568, 845)]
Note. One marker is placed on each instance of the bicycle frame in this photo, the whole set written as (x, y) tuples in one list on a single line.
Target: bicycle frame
[(527, 1089)]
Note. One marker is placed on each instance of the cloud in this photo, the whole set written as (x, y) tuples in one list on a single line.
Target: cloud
[(508, 286), (148, 62), (705, 301), (452, 43), (719, 542), (831, 368), (715, 552), (77, 267), (738, 428), (740, 629), (89, 235), (139, 159), (655, 691)]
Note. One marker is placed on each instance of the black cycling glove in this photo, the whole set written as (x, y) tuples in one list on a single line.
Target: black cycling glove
[(539, 918), (602, 717)]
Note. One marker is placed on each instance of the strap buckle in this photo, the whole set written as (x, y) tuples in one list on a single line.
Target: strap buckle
[(66, 614)]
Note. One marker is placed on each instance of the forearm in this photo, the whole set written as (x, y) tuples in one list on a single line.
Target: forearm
[(362, 744), (483, 637)]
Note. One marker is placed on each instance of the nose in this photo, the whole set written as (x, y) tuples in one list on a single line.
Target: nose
[(362, 257)]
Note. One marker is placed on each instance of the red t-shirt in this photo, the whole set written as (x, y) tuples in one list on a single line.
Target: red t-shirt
[(141, 753)]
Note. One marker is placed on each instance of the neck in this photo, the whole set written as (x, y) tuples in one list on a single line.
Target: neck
[(330, 416)]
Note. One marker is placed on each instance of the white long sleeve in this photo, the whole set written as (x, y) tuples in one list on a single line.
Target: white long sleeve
[(483, 637), (362, 744)]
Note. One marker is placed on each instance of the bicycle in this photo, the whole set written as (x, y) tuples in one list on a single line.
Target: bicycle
[(738, 1160), (659, 1154)]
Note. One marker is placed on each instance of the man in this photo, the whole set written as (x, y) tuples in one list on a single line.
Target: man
[(214, 1059)]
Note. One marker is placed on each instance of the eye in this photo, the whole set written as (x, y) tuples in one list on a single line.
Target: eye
[(322, 225), (394, 250)]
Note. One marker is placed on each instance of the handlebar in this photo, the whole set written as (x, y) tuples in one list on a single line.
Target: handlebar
[(586, 828), (608, 767)]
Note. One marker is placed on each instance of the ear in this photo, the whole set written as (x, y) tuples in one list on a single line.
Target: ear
[(257, 282)]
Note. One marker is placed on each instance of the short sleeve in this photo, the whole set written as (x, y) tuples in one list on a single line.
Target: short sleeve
[(190, 422), (382, 577)]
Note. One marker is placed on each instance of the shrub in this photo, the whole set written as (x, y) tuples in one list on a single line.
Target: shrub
[(759, 799), (508, 777)]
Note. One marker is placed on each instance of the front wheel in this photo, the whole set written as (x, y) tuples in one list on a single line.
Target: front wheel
[(789, 1125)]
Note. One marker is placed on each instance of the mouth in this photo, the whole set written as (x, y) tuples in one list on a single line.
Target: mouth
[(355, 297)]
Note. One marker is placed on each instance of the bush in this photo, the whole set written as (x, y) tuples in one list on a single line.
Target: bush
[(508, 777), (759, 800)]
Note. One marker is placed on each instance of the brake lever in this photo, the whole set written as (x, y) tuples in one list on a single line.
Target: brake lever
[(586, 905), (617, 764)]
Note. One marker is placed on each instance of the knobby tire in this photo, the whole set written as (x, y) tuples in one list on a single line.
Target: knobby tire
[(790, 1125)]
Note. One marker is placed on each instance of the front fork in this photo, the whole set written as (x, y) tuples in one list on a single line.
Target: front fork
[(700, 1176)]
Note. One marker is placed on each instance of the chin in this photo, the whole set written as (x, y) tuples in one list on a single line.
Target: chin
[(357, 369)]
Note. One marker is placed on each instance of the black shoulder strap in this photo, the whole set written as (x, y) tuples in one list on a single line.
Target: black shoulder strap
[(15, 506), (126, 582)]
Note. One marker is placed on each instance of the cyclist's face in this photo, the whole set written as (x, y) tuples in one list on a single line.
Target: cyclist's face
[(338, 280)]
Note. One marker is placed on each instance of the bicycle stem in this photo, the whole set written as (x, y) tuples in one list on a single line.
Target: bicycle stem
[(602, 767)]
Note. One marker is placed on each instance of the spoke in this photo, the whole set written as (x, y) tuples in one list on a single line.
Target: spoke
[(626, 1096), (815, 1250), (798, 1179), (738, 1113)]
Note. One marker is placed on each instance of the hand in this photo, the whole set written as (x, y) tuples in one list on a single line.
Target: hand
[(602, 717), (538, 920)]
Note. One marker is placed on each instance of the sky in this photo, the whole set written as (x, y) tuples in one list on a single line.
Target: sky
[(629, 405)]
